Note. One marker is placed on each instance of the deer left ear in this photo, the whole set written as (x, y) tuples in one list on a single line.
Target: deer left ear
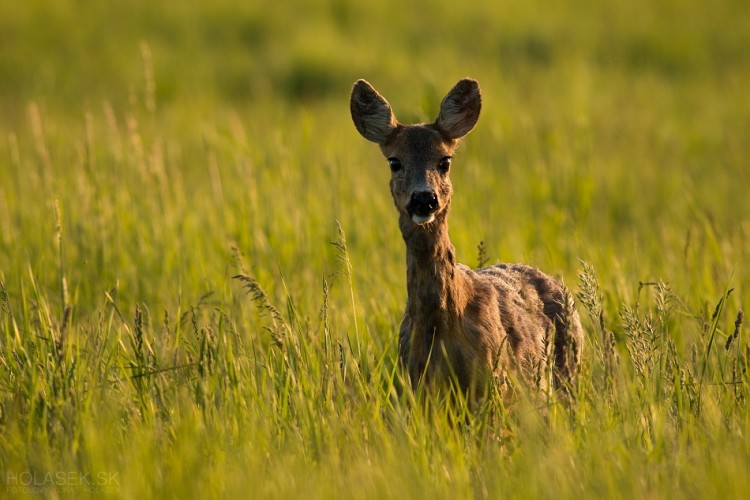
[(460, 109), (371, 113)]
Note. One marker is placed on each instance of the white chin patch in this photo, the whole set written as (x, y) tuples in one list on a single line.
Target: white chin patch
[(418, 219)]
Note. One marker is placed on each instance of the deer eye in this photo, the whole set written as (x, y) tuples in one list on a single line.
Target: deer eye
[(445, 164), (395, 164)]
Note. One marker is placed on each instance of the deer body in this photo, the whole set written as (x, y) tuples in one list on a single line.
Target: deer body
[(459, 323)]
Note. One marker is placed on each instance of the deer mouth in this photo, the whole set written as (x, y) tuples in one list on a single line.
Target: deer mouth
[(422, 219)]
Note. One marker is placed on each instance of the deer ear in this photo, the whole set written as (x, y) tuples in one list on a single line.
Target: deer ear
[(371, 113), (459, 110)]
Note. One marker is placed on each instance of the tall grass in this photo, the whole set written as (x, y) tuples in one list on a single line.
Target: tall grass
[(201, 274)]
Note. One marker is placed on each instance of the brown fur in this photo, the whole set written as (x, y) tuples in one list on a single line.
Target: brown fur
[(459, 322)]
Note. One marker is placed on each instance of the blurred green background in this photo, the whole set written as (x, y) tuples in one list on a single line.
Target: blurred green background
[(235, 53)]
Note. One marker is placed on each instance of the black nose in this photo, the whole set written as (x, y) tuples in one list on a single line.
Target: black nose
[(423, 203)]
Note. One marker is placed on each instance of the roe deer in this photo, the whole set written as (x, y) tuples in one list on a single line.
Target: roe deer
[(462, 323)]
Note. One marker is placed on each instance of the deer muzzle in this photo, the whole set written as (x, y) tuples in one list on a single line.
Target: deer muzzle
[(422, 206)]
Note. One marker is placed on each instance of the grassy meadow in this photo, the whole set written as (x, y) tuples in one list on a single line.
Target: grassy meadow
[(202, 276)]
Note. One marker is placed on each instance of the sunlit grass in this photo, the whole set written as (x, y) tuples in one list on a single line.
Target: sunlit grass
[(202, 275)]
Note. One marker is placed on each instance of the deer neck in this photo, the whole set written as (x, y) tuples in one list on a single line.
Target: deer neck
[(436, 287)]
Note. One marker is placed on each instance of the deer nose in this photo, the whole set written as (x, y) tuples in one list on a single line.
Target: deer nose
[(423, 203)]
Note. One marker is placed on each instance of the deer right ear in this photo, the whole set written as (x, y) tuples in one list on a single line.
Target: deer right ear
[(371, 113), (459, 110)]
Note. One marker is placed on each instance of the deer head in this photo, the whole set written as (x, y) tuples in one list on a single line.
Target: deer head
[(419, 155)]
